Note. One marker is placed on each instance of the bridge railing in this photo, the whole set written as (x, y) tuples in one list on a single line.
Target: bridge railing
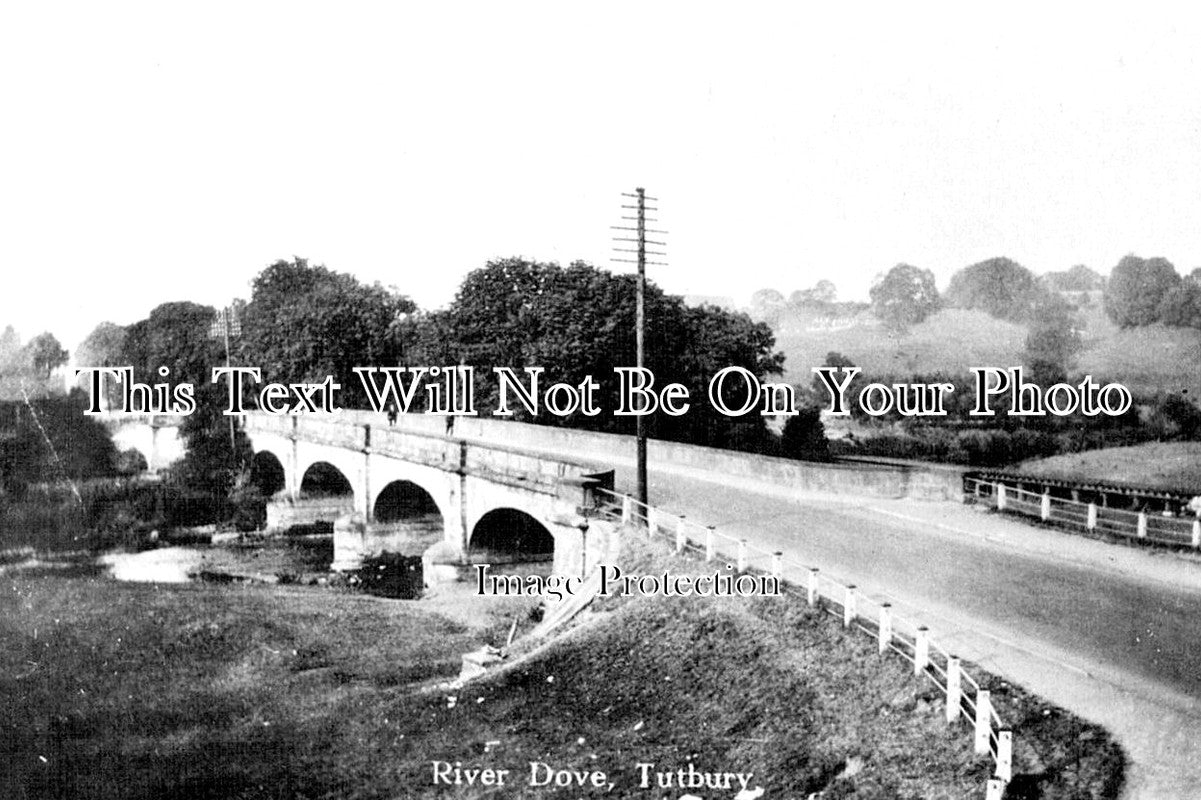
[(1088, 517), (965, 697)]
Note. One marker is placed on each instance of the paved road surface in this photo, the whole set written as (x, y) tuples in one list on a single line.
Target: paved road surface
[(1108, 631)]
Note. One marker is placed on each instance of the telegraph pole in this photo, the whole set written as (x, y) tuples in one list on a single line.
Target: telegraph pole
[(225, 323), (639, 315)]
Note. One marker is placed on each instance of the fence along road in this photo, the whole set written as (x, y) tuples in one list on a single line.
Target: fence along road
[(1182, 531), (965, 698), (1108, 631)]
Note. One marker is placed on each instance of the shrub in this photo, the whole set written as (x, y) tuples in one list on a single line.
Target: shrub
[(804, 436)]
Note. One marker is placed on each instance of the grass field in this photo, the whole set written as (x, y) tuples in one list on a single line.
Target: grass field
[(950, 341), (205, 691), (1155, 465)]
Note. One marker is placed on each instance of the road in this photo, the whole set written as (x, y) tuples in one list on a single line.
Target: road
[(1108, 631)]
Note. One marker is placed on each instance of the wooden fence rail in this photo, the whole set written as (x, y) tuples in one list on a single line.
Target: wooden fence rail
[(1137, 525)]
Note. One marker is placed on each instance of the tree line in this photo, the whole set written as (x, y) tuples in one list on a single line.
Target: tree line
[(304, 322)]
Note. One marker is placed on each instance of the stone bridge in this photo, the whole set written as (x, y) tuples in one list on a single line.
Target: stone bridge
[(386, 488), (475, 498)]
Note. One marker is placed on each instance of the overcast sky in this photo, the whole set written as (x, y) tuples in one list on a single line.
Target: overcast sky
[(163, 152)]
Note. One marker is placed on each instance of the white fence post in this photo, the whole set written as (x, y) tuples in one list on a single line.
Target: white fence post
[(627, 510), (848, 607), (681, 538), (1000, 497), (885, 638), (995, 791), (983, 720), (742, 555), (710, 544), (921, 650), (954, 688), (1045, 509), (1142, 525), (813, 587), (1091, 524), (1197, 533), (777, 564), (1005, 755)]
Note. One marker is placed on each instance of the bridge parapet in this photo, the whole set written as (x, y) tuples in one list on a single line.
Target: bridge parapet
[(534, 471), (112, 418), (434, 451), (332, 433), (269, 423)]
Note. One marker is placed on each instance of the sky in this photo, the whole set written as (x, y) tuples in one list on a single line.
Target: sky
[(158, 152)]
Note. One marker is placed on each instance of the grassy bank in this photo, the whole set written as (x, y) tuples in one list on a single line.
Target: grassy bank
[(198, 691), (1155, 465)]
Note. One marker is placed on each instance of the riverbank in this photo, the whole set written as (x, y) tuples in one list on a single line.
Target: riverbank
[(122, 690)]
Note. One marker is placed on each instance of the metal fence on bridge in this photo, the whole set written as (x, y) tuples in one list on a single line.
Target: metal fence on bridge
[(965, 697)]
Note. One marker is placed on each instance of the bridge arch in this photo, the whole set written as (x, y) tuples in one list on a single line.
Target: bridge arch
[(267, 473), (403, 500), (323, 479), (508, 534)]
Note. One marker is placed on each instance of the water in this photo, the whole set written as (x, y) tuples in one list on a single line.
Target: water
[(164, 565)]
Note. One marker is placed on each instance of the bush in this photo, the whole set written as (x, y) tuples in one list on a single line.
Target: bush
[(391, 575), (247, 506), (804, 436), (1177, 419)]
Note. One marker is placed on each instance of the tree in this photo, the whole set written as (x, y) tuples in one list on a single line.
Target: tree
[(766, 304), (839, 362), (821, 292), (1181, 305), (176, 336), (1077, 279), (579, 321), (306, 322), (904, 296), (717, 339), (1179, 418), (1053, 340), (10, 348), (45, 354), (103, 347), (1000, 287), (51, 439), (804, 436), (27, 371), (1137, 288)]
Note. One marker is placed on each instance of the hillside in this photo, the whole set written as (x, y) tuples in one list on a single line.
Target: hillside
[(1148, 360), (951, 340), (1156, 465)]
